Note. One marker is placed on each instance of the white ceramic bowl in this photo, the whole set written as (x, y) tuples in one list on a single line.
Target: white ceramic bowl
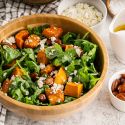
[(99, 4), (117, 39), (117, 103)]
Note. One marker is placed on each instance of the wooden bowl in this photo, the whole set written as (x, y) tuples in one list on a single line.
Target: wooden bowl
[(109, 8), (57, 111)]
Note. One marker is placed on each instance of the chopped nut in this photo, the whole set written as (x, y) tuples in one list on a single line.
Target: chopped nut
[(121, 88), (121, 96), (115, 85), (42, 97), (49, 81)]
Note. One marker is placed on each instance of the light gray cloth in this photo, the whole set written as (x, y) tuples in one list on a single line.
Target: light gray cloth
[(14, 9)]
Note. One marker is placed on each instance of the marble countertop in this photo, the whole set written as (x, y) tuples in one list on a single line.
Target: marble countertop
[(99, 112)]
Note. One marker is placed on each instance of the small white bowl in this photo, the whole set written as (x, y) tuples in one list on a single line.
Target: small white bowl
[(99, 4), (117, 103)]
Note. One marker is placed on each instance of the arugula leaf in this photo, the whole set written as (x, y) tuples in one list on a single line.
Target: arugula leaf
[(28, 100), (9, 54), (17, 94), (57, 62), (69, 55), (70, 68), (93, 81), (86, 35), (30, 54), (68, 99), (32, 66), (54, 51), (6, 73), (69, 38)]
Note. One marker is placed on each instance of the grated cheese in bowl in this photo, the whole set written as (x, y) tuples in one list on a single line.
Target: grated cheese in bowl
[(85, 13)]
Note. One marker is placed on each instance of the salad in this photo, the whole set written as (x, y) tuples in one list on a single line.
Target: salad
[(44, 66)]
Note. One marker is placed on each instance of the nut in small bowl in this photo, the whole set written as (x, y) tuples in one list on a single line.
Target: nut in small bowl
[(117, 90)]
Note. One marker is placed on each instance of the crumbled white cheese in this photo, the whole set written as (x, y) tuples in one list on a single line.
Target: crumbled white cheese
[(74, 73), (4, 74), (42, 43), (9, 40), (78, 50), (65, 68), (41, 82), (70, 79), (56, 87), (85, 13), (13, 77), (53, 73), (53, 39), (42, 66)]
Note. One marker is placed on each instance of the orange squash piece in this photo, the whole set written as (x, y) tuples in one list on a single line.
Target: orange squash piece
[(52, 32), (48, 69), (17, 72), (68, 47), (6, 85), (54, 98), (21, 37), (41, 57), (73, 89), (32, 41), (61, 77)]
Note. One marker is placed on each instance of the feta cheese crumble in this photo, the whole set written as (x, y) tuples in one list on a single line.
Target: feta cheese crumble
[(13, 77), (74, 73), (53, 73), (78, 50), (42, 43), (41, 82), (70, 79), (42, 66), (9, 40), (85, 13), (56, 87), (53, 39)]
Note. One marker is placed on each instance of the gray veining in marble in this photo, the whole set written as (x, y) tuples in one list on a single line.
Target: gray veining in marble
[(99, 112)]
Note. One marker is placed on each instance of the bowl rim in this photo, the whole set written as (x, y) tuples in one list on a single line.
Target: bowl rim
[(115, 76), (96, 25), (77, 101)]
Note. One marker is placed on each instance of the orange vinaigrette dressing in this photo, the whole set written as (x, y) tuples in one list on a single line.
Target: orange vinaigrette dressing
[(119, 28)]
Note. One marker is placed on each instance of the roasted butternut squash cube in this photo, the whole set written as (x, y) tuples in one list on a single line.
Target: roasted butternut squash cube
[(52, 32), (73, 89), (20, 38), (41, 57), (48, 69), (6, 85), (32, 41), (61, 77), (17, 72), (54, 98), (68, 47)]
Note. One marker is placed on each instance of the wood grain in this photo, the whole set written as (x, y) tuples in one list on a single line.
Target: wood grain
[(109, 8), (52, 112)]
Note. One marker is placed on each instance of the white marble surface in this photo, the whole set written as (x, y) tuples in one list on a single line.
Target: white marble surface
[(99, 112)]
